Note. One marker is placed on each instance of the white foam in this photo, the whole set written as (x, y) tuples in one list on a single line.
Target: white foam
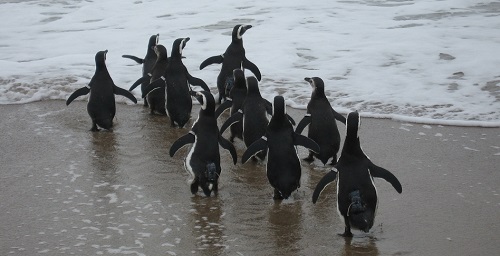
[(415, 61)]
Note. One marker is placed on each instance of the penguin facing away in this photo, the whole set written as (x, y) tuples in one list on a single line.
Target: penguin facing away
[(147, 63), (233, 58), (101, 105), (155, 97), (283, 165), (322, 125), (237, 96), (357, 199), (252, 115), (176, 83), (203, 159)]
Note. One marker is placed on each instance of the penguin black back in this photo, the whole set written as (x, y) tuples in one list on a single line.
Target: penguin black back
[(321, 118), (357, 199), (101, 105), (234, 57)]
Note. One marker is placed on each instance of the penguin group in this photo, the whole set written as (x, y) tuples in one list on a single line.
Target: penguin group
[(265, 128)]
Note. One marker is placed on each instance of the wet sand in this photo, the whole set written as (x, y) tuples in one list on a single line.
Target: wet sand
[(66, 190)]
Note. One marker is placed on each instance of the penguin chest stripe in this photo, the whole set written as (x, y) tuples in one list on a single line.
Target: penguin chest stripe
[(187, 163)]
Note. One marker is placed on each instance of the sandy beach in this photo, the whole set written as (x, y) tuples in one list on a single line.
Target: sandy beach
[(66, 190)]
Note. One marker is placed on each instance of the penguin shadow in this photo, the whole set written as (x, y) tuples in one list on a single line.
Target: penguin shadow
[(285, 227), (360, 246), (207, 225)]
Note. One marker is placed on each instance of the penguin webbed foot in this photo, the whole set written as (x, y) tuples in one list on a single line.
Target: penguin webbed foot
[(346, 234), (347, 231), (94, 128)]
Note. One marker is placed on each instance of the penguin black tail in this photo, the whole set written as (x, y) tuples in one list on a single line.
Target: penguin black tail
[(360, 217)]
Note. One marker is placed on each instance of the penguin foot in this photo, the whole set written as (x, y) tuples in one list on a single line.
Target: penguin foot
[(277, 195), (94, 128), (345, 234)]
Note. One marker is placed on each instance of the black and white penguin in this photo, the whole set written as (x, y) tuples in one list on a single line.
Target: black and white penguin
[(322, 125), (101, 106), (237, 96), (252, 115), (154, 96), (203, 159), (176, 84), (147, 63), (357, 199), (283, 164), (233, 58)]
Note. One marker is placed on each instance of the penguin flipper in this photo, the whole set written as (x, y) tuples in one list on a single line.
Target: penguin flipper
[(197, 81), (212, 60), (181, 142), (254, 148), (80, 92), (339, 117), (252, 67), (222, 107), (136, 59), (303, 123), (306, 142), (123, 92), (226, 144), (329, 177), (236, 117), (158, 83), (379, 172), (138, 82)]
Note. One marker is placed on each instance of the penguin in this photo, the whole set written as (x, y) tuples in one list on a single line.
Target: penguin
[(252, 115), (154, 96), (233, 58), (283, 165), (203, 159), (101, 106), (176, 86), (237, 96), (323, 128), (357, 198), (147, 63)]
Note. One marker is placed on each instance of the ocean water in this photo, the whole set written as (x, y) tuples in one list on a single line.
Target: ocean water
[(426, 61)]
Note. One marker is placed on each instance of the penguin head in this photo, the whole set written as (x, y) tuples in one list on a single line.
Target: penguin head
[(279, 107), (153, 40), (160, 51), (206, 100), (252, 86), (178, 46), (352, 124), (317, 84), (239, 78), (100, 59), (239, 30)]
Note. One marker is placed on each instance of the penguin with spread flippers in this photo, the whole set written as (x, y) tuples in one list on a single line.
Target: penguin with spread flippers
[(101, 106), (321, 118), (283, 164), (234, 102), (357, 199), (233, 58), (203, 159), (147, 63), (252, 115), (176, 84)]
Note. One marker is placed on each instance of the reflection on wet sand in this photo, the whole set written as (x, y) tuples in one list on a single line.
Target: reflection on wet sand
[(208, 229), (360, 246), (285, 226)]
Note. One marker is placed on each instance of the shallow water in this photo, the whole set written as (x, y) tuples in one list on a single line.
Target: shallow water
[(65, 190)]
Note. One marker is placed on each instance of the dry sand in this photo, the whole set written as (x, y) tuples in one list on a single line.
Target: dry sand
[(66, 190)]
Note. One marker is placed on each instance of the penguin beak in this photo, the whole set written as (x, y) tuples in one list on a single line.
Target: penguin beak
[(310, 81)]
